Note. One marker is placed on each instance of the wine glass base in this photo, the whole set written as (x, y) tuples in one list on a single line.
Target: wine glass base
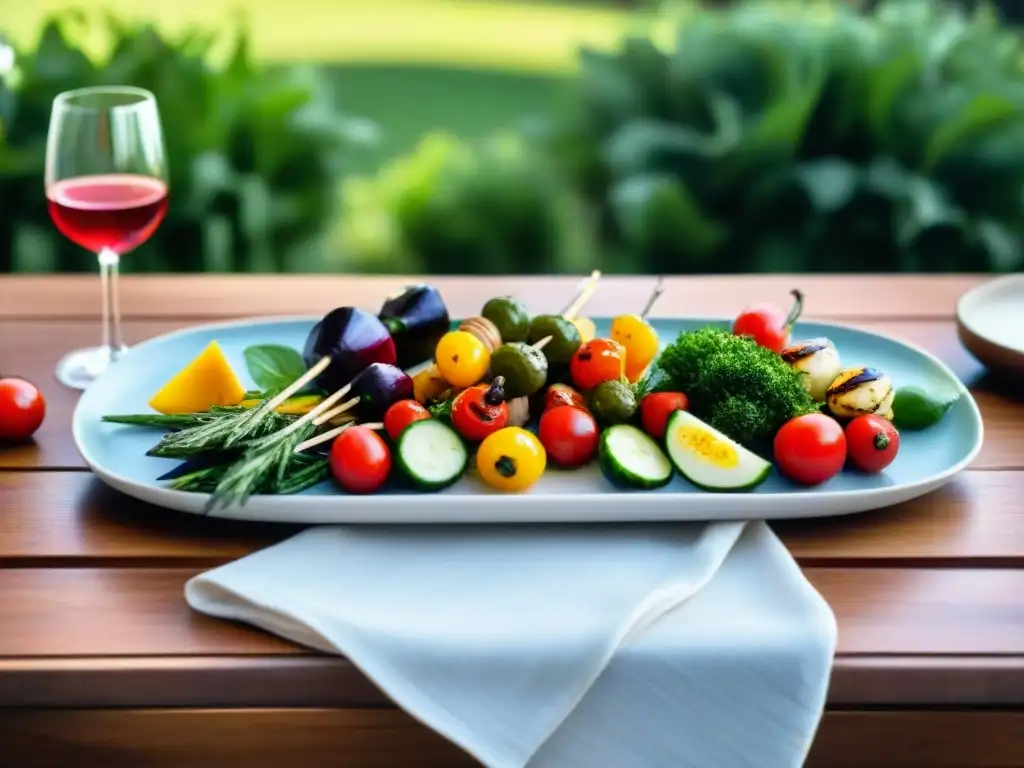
[(78, 369)]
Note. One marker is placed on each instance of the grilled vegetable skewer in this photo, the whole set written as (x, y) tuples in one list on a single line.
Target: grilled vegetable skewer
[(525, 367)]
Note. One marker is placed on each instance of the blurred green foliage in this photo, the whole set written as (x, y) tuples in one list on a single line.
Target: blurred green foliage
[(767, 136), (785, 136), (487, 207), (255, 153)]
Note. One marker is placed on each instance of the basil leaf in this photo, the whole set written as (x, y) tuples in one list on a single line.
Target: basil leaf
[(273, 367)]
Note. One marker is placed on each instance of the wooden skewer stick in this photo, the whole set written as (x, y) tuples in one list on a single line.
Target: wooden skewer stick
[(659, 288), (589, 286), (330, 435), (335, 412), (584, 284), (587, 291), (299, 383)]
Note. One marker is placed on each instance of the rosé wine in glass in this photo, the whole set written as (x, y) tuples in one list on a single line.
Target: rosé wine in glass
[(113, 211), (106, 188)]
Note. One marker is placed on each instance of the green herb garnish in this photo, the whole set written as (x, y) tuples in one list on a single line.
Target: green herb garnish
[(273, 367), (265, 462), (442, 410), (225, 430), (304, 471), (737, 386)]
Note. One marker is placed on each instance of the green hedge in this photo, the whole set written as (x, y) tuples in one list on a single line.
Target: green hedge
[(766, 136)]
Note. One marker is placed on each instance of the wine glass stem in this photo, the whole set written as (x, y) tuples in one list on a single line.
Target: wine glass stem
[(109, 272)]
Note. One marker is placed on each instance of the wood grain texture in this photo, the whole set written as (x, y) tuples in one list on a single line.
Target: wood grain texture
[(61, 519), (32, 349), (926, 594), (315, 680), (70, 612), (159, 738), (175, 296)]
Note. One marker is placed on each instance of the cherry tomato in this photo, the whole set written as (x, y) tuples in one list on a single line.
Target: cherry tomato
[(569, 435), (767, 325), (810, 449), (656, 407), (462, 359), (401, 415), (511, 459), (481, 410), (360, 460), (640, 341), (597, 361), (22, 409), (563, 394), (872, 442)]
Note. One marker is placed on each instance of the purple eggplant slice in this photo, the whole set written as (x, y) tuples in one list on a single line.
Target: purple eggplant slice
[(378, 388), (353, 339), (417, 319)]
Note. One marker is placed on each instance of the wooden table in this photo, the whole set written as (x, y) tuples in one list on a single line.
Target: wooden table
[(100, 657)]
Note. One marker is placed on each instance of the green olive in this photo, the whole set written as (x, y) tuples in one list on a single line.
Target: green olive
[(510, 316), (612, 402), (525, 369), (565, 337)]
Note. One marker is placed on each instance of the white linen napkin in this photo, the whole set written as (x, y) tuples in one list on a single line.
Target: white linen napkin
[(560, 647)]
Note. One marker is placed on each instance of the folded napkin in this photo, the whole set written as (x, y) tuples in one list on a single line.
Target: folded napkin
[(560, 647)]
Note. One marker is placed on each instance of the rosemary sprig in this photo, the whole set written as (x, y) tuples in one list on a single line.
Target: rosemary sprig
[(304, 471), (264, 462), (171, 420), (216, 433)]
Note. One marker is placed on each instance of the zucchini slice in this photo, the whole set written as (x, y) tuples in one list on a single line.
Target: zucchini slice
[(630, 457), (709, 459), (431, 454)]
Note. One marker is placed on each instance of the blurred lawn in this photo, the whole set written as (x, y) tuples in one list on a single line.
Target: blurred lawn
[(488, 34), (409, 100), (466, 66)]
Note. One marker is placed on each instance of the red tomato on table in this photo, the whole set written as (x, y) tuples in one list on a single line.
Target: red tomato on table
[(360, 460), (810, 449), (22, 409), (872, 443), (569, 435)]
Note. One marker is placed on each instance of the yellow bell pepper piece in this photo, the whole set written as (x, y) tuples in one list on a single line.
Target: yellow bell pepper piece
[(206, 381), (297, 405)]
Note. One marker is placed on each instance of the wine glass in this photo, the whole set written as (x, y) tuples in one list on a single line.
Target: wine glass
[(106, 187)]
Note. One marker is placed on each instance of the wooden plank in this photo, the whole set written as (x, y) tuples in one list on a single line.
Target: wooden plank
[(310, 680), (32, 349), (116, 612), (390, 737), (174, 296), (976, 520), (62, 519)]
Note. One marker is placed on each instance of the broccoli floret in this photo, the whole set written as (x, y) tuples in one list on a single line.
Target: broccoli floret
[(737, 386)]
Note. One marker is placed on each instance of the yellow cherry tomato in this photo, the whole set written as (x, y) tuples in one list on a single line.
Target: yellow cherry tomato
[(640, 340), (462, 359), (511, 459), (586, 328)]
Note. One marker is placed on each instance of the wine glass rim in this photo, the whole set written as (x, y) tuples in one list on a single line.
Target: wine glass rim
[(65, 100)]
